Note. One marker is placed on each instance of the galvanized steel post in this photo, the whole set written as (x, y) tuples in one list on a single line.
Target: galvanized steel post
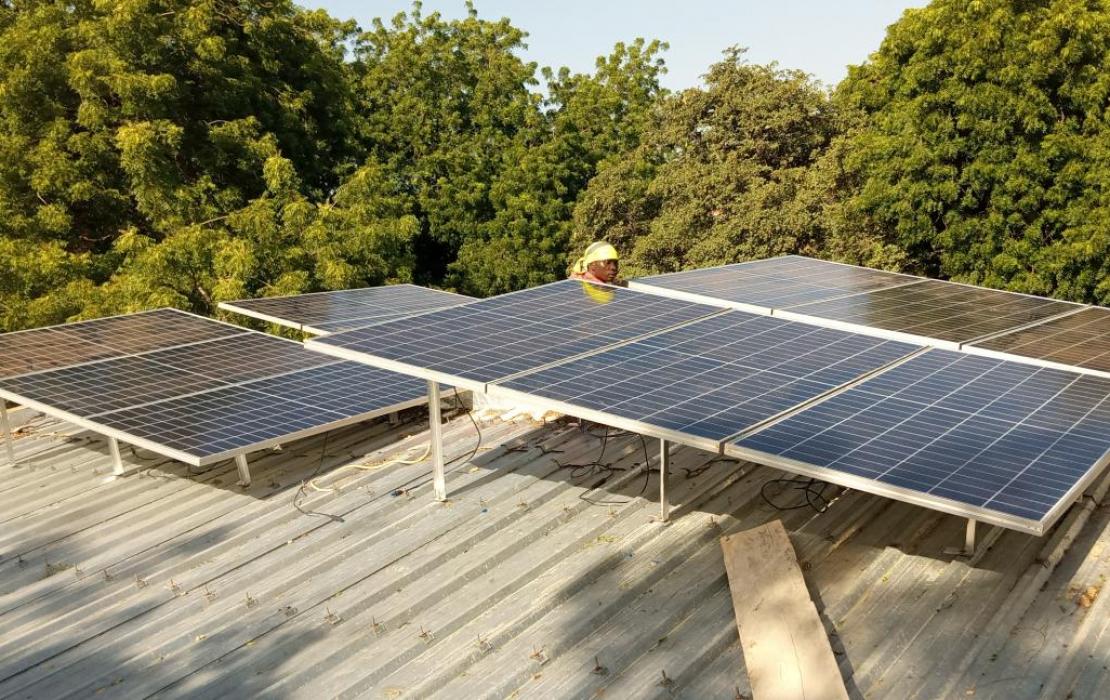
[(439, 479)]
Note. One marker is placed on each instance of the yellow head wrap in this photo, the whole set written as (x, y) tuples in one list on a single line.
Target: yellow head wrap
[(597, 252)]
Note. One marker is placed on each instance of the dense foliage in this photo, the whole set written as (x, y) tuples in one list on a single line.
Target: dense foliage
[(984, 148), (183, 152)]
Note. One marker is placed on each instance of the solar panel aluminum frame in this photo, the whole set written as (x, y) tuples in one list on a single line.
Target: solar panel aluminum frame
[(883, 333), (973, 349), (231, 307), (194, 460), (398, 367), (285, 323), (179, 455), (912, 337), (495, 389), (917, 498), (462, 382), (757, 308), (787, 314)]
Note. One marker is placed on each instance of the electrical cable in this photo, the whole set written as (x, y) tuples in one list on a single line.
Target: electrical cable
[(813, 490), (597, 467), (313, 480)]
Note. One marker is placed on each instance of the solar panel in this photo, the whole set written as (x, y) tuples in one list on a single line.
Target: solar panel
[(62, 346), (935, 310), (762, 285), (217, 388), (1077, 340), (709, 380), (495, 338), (240, 358), (329, 312), (1002, 442), (217, 424), (89, 389)]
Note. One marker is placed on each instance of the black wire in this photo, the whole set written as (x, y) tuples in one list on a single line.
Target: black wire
[(606, 469), (813, 490), (477, 429)]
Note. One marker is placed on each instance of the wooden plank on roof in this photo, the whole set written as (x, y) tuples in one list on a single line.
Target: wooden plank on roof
[(786, 650)]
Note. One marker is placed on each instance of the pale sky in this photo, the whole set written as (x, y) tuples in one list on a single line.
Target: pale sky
[(821, 37)]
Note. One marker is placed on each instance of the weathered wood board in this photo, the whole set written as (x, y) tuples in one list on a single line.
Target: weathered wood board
[(786, 651)]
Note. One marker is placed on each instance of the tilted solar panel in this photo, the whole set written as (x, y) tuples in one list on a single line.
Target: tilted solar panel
[(774, 283), (495, 338), (217, 424), (707, 381), (1077, 340), (328, 312), (935, 310), (216, 388), (61, 346), (997, 441)]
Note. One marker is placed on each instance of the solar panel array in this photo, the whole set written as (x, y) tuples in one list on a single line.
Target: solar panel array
[(775, 283), (993, 436), (999, 441), (1078, 340), (713, 378), (166, 379), (491, 339), (332, 312)]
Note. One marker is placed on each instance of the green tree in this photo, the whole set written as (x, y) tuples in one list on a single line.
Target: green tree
[(136, 131), (587, 119), (984, 144), (723, 173), (443, 102)]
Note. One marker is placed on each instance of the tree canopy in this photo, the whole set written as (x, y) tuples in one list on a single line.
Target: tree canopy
[(184, 152), (983, 145)]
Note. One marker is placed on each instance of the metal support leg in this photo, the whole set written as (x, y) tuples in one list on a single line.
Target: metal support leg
[(244, 470), (394, 418), (968, 549), (664, 468), (117, 460), (9, 438), (439, 479)]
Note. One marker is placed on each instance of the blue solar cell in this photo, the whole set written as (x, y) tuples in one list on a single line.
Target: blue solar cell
[(495, 338), (777, 283), (1000, 436), (219, 388), (715, 377)]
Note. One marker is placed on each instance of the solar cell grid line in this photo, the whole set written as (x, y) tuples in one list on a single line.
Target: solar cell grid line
[(704, 382), (51, 347), (90, 389), (239, 358), (762, 286), (944, 314), (215, 425), (323, 312), (473, 344), (1001, 442), (1079, 340)]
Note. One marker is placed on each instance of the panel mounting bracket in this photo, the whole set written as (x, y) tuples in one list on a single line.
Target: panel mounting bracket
[(969, 551), (244, 470), (439, 479), (9, 437), (664, 467)]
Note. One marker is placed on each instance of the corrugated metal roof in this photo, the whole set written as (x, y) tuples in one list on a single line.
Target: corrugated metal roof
[(532, 581)]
